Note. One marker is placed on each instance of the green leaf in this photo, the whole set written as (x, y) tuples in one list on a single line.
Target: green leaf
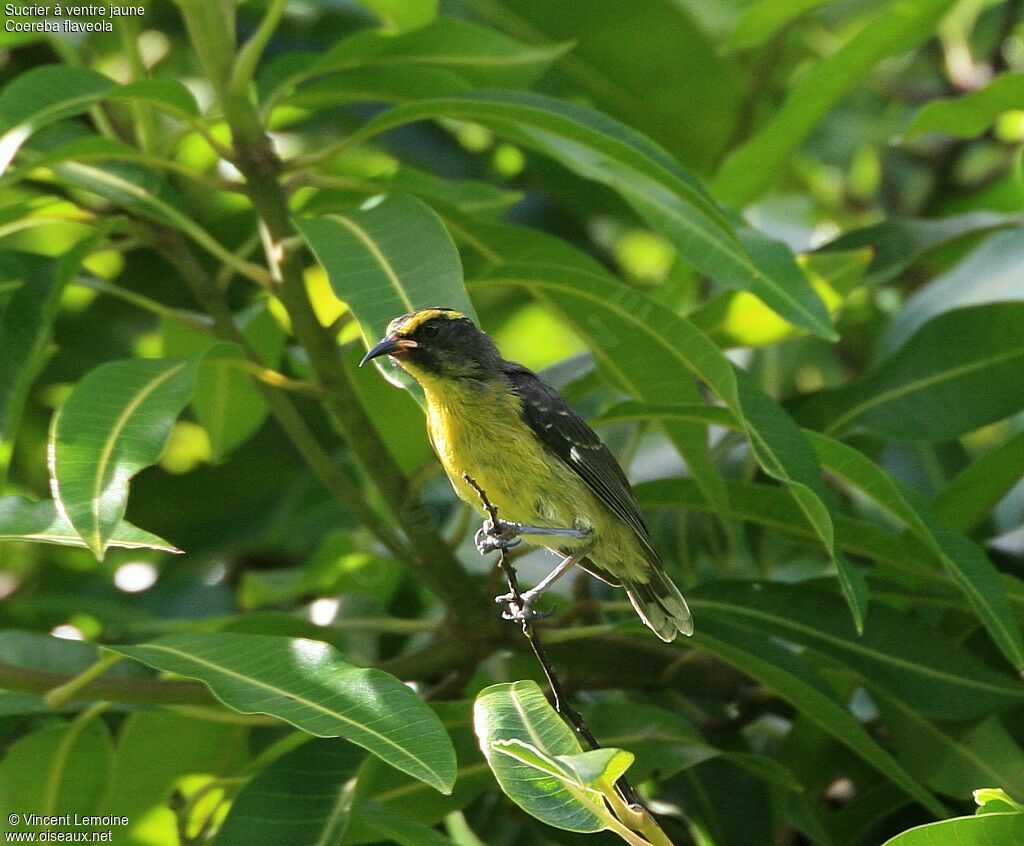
[(969, 115), (680, 91), (599, 148), (898, 242), (42, 522), (590, 300), (383, 84), (308, 684), (952, 759), (62, 769), (966, 563), (518, 712), (224, 399), (795, 681), (901, 27), (390, 827), (928, 671), (762, 20), (402, 15), (374, 258), (957, 373), (114, 424), (665, 744), (480, 55), (387, 788), (302, 797), (154, 750), (990, 273), (49, 93), (971, 494), (985, 830)]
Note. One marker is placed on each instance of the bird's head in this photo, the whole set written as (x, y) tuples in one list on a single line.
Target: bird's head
[(438, 343)]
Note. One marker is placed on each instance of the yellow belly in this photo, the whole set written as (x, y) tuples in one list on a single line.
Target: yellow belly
[(480, 432)]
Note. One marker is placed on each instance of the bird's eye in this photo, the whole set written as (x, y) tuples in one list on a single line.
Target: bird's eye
[(431, 330)]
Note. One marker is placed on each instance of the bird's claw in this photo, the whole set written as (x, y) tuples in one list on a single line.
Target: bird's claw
[(491, 537), (521, 612)]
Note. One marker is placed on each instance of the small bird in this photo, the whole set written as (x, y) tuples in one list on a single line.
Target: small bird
[(547, 473)]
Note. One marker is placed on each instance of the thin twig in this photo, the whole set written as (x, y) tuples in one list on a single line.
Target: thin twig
[(574, 718)]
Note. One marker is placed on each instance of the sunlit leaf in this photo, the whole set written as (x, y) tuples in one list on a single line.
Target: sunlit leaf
[(969, 115), (308, 684)]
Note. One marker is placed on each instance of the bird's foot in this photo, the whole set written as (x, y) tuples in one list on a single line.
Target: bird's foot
[(522, 611), (496, 534)]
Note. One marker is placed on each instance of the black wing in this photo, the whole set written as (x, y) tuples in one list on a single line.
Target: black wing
[(568, 436)]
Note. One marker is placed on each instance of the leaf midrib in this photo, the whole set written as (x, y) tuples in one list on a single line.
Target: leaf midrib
[(288, 695), (378, 256), (851, 646)]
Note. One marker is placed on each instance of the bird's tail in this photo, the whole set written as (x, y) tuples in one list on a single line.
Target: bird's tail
[(660, 605)]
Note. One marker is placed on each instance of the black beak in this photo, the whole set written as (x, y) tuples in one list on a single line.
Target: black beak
[(391, 345)]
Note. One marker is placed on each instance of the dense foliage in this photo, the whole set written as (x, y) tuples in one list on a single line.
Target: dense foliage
[(772, 249)]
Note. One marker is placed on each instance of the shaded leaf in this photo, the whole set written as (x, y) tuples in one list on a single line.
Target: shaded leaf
[(114, 424), (970, 114), (901, 27), (898, 242), (763, 19), (301, 798), (796, 682), (62, 769), (308, 684), (480, 55), (224, 399), (915, 662), (970, 495), (671, 200), (957, 373)]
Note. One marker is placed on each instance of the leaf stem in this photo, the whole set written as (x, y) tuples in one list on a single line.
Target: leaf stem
[(63, 694)]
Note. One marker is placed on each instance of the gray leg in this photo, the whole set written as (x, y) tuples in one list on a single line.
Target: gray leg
[(505, 535), (524, 612)]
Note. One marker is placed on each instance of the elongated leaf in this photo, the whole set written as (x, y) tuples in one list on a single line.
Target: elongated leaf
[(587, 300), (759, 21), (402, 15), (901, 27), (519, 712), (971, 114), (682, 93), (957, 373), (984, 830), (953, 759), (665, 743), (224, 398), (796, 682), (308, 684), (62, 769), (384, 84), (387, 259), (480, 55), (966, 563), (114, 424), (970, 495), (42, 522), (659, 189), (988, 274), (915, 662), (50, 93), (301, 798), (897, 243)]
